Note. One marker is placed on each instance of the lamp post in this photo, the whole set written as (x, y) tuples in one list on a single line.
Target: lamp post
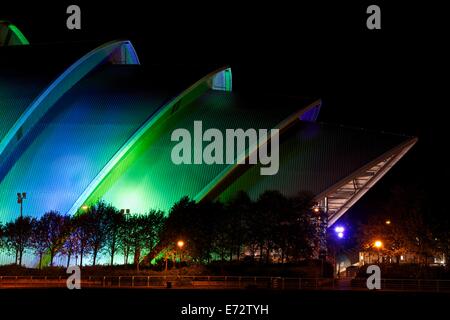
[(339, 230), (20, 197), (165, 267), (180, 245), (378, 244)]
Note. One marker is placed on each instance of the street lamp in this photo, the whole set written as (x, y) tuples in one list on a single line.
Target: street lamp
[(378, 244), (339, 231), (388, 222), (20, 197), (180, 245)]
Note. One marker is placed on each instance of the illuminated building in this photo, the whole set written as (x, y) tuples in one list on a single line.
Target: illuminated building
[(80, 125)]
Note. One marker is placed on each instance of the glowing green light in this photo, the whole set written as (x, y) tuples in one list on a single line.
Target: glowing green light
[(19, 35)]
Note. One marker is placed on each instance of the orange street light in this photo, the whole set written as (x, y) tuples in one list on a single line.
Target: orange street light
[(388, 222), (378, 244), (180, 244)]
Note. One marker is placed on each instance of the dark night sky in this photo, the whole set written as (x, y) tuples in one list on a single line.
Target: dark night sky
[(387, 80)]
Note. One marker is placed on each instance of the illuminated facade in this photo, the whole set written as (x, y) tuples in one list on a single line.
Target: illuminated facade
[(101, 129)]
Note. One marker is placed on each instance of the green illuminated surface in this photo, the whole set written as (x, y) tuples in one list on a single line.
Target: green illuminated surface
[(19, 35), (68, 147), (147, 178), (125, 155), (10, 35), (215, 187)]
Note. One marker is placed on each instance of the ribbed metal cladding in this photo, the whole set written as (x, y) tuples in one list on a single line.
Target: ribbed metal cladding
[(153, 181), (317, 157), (82, 131)]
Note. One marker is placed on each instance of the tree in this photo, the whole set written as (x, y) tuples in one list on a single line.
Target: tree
[(208, 232), (39, 239), (152, 226), (114, 220), (298, 231), (2, 236), (53, 228), (81, 232), (221, 225), (71, 245), (143, 231), (97, 227), (441, 230), (408, 230), (238, 210), (136, 223), (18, 236), (193, 223), (270, 211), (179, 224), (124, 244)]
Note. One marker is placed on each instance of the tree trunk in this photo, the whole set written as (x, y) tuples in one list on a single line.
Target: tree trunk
[(81, 257), (137, 256), (52, 254), (68, 259), (125, 254), (112, 256), (94, 257), (40, 260), (20, 257)]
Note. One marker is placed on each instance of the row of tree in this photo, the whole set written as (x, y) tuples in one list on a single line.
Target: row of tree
[(211, 230), (271, 227), (100, 229), (407, 226)]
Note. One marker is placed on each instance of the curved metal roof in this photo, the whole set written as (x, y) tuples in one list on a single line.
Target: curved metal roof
[(103, 128)]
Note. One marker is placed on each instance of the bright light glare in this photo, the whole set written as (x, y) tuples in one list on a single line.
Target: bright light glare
[(378, 244), (339, 229)]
